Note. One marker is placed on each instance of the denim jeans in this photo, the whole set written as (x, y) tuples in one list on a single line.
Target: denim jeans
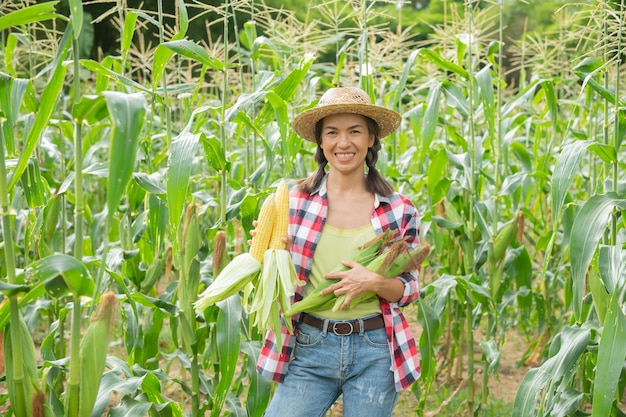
[(325, 366)]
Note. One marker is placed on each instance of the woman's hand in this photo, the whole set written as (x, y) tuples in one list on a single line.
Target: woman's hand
[(359, 280), (286, 239)]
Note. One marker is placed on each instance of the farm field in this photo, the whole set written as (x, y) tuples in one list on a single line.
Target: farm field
[(139, 142)]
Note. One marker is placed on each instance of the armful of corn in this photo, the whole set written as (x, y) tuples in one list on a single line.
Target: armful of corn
[(396, 261), (316, 302), (390, 263)]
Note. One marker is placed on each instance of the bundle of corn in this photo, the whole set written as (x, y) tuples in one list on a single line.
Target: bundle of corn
[(267, 269), (278, 279), (315, 301), (245, 267), (390, 263), (396, 261)]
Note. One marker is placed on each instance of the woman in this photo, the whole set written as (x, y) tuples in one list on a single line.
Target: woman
[(366, 353)]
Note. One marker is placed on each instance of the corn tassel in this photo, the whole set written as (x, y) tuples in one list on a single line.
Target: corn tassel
[(397, 260), (317, 302), (93, 353)]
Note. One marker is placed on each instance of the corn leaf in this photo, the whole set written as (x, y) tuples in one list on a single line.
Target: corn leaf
[(76, 16), (30, 14), (182, 152), (258, 392), (431, 114), (62, 274), (101, 70), (12, 92), (129, 30), (485, 83), (47, 105), (611, 351), (127, 113), (589, 226), (566, 169), (431, 332), (195, 52), (586, 70), (228, 346), (553, 376), (443, 63)]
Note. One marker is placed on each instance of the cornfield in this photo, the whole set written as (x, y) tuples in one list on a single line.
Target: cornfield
[(129, 181)]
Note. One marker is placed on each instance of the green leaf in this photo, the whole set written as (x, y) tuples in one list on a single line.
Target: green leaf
[(589, 226), (566, 169), (62, 274), (606, 152), (12, 92), (129, 31), (99, 69), (127, 112), (90, 109), (182, 152), (554, 375), (431, 332), (76, 17), (162, 55), (431, 114), (47, 105), (444, 64), (485, 83), (258, 392), (611, 351), (455, 98), (13, 289), (586, 71), (408, 66), (30, 14), (228, 346), (193, 51)]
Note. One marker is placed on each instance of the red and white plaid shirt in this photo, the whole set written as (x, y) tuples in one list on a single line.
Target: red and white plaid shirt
[(307, 216)]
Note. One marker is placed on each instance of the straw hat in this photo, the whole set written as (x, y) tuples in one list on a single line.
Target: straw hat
[(346, 100)]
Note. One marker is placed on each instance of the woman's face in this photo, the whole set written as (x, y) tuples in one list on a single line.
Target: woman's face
[(345, 140)]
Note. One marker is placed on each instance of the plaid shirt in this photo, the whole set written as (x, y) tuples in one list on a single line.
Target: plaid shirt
[(307, 216)]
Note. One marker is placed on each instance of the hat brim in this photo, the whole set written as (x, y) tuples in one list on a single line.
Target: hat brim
[(388, 120)]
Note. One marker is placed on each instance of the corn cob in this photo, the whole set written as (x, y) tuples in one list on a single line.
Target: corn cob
[(504, 238), (278, 279), (317, 302), (281, 223), (93, 353), (397, 260), (264, 228), (245, 267)]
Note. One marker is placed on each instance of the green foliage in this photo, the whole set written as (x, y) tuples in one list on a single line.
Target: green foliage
[(178, 132)]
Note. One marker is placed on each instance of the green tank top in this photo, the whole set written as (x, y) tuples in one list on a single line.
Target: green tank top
[(334, 246)]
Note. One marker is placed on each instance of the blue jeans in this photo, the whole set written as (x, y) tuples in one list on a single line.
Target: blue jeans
[(326, 365)]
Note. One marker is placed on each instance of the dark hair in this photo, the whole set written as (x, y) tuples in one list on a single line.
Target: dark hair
[(375, 182)]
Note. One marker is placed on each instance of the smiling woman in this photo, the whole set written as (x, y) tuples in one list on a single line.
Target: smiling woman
[(332, 214)]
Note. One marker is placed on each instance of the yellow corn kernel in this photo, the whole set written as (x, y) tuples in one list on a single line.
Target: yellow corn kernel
[(281, 224), (264, 227)]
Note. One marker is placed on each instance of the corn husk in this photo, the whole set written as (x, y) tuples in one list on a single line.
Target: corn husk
[(232, 279), (397, 260), (317, 302)]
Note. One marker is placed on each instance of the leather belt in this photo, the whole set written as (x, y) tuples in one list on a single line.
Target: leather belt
[(344, 328)]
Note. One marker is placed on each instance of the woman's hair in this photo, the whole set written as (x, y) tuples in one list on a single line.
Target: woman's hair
[(375, 182)]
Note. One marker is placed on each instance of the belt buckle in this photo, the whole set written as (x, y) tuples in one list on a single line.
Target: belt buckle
[(334, 328)]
